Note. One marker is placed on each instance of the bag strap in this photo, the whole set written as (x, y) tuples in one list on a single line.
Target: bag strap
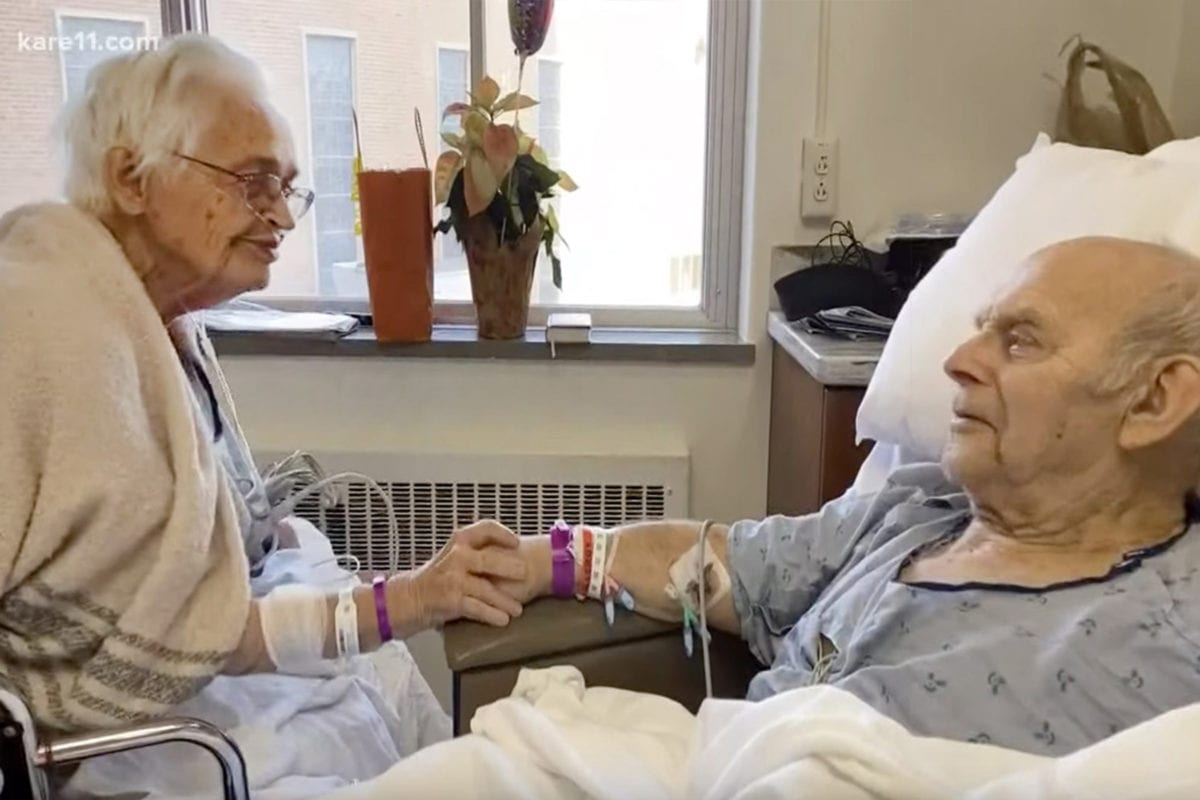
[(1116, 71)]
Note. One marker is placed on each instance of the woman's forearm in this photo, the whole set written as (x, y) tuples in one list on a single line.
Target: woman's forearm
[(404, 613), (251, 653), (460, 581)]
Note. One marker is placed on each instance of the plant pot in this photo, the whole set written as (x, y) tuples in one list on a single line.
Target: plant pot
[(501, 277)]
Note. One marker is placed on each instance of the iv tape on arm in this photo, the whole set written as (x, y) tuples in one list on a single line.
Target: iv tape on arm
[(685, 582), (295, 623)]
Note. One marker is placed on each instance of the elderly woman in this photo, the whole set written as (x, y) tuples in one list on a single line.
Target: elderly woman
[(132, 515)]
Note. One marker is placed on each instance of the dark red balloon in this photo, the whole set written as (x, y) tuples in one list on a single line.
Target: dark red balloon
[(529, 22)]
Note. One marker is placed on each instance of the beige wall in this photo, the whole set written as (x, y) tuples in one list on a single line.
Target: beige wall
[(933, 100), (1185, 100)]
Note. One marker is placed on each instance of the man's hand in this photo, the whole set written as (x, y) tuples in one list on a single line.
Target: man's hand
[(534, 552), (461, 580)]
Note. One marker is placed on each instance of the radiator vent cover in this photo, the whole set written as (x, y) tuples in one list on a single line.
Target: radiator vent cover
[(427, 513)]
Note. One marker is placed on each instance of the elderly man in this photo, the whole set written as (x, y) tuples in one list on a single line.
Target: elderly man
[(133, 515), (1051, 601)]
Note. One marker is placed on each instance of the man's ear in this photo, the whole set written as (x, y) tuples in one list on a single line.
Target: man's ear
[(1167, 400), (125, 186)]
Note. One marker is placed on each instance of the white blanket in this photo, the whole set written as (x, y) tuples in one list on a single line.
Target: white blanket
[(554, 739)]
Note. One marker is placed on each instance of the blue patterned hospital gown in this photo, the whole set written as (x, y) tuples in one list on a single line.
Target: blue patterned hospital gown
[(1045, 671)]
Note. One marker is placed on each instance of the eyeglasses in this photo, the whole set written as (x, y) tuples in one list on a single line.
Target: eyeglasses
[(262, 190)]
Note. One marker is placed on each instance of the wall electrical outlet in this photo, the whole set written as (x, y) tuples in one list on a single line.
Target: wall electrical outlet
[(818, 188)]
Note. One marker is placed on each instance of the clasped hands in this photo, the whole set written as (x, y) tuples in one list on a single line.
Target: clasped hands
[(485, 573)]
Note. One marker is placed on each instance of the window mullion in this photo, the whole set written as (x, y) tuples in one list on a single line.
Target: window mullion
[(182, 16), (728, 53), (478, 41)]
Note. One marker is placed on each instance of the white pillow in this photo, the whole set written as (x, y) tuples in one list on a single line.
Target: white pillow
[(1179, 151), (1057, 192)]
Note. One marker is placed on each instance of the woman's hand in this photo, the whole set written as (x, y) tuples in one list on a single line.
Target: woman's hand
[(460, 581)]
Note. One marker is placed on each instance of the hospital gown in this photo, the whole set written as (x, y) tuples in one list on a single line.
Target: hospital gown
[(1047, 671)]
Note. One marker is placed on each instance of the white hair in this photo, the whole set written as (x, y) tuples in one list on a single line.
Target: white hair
[(146, 101), (1167, 323)]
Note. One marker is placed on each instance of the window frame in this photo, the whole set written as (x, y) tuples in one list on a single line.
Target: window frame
[(438, 47), (557, 61), (332, 33), (71, 12), (728, 47)]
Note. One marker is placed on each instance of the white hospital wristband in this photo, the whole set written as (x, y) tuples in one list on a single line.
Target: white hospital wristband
[(599, 564), (346, 619)]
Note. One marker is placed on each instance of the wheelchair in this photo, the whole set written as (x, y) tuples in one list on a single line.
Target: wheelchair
[(26, 761)]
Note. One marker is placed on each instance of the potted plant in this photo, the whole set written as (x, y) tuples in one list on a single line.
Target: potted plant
[(496, 185)]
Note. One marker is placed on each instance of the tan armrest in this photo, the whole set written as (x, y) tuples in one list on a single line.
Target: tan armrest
[(548, 627)]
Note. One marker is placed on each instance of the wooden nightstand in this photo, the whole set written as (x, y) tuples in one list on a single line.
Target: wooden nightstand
[(817, 384)]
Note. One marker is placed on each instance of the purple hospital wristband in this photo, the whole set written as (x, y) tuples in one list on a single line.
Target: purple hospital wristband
[(381, 612), (562, 561)]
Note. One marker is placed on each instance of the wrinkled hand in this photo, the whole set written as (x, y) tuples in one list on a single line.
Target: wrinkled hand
[(460, 581), (534, 551)]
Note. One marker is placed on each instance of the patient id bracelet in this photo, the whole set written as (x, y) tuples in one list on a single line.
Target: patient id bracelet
[(585, 575), (381, 611), (562, 561), (597, 566), (345, 618)]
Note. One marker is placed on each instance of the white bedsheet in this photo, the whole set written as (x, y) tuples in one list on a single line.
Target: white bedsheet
[(301, 736), (554, 739)]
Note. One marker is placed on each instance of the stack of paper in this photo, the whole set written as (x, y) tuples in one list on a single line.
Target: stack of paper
[(242, 316), (851, 322)]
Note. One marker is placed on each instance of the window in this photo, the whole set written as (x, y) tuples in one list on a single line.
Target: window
[(624, 106), (453, 73), (86, 41), (651, 235), (642, 101), (46, 49), (329, 63), (549, 136), (323, 59), (549, 109), (453, 70)]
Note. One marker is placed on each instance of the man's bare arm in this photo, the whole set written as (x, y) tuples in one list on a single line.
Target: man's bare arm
[(645, 552)]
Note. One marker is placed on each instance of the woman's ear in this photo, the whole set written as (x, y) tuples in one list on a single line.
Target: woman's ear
[(125, 186), (1163, 404)]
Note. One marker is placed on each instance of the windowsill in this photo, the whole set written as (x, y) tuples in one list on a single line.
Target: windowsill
[(461, 342)]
